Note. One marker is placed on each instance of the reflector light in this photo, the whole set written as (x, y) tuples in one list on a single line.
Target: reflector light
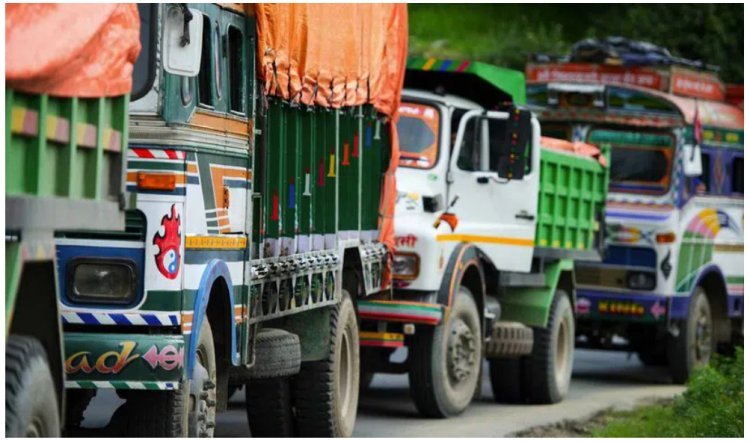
[(153, 181)]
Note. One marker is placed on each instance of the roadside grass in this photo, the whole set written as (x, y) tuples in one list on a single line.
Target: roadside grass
[(712, 406)]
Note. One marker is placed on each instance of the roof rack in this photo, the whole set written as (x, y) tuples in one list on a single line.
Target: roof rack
[(620, 61)]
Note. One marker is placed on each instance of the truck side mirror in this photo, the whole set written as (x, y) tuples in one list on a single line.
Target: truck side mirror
[(183, 41), (511, 162), (692, 164)]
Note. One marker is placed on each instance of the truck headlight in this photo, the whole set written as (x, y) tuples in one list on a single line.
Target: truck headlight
[(405, 266), (641, 280), (104, 281)]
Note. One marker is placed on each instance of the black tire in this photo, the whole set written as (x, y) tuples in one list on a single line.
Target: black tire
[(30, 402), (441, 385), (277, 354), (167, 413), (505, 378), (693, 347), (547, 371), (653, 357), (153, 413), (269, 407), (326, 392)]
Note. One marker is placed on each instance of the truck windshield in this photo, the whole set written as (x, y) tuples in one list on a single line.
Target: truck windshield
[(418, 129), (145, 68), (641, 163)]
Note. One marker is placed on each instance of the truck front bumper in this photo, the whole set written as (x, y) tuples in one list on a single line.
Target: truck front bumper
[(401, 311), (393, 311), (629, 307), (123, 361)]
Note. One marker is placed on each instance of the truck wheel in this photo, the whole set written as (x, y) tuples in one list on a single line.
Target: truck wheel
[(653, 357), (548, 369), (277, 354), (30, 401), (186, 412), (693, 347), (153, 413), (445, 361), (202, 418), (269, 407), (326, 392), (505, 377)]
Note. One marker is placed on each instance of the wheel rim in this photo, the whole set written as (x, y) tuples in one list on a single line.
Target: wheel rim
[(461, 352), (703, 336), (562, 351), (35, 428)]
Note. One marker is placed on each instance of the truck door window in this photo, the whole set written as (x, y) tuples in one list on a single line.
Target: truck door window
[(738, 177), (704, 186), (418, 131), (236, 80), (470, 149), (204, 76)]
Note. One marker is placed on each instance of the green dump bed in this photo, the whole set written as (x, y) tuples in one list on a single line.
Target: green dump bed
[(64, 161), (319, 176), (572, 193)]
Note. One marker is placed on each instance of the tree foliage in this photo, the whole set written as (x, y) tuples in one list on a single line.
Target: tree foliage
[(504, 34)]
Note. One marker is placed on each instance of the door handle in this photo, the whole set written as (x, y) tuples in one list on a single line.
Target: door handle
[(483, 180), (525, 216)]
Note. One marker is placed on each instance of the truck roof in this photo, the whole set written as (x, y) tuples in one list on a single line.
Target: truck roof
[(445, 99), (485, 84)]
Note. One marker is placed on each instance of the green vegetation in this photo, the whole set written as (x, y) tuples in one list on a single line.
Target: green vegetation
[(503, 34), (712, 406)]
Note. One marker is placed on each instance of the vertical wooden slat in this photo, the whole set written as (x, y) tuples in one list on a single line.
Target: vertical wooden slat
[(69, 155), (36, 168), (360, 161), (99, 153), (8, 136)]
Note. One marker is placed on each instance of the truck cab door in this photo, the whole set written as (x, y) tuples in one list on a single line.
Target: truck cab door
[(498, 215)]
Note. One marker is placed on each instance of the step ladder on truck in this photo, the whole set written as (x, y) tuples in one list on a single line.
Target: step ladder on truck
[(489, 221)]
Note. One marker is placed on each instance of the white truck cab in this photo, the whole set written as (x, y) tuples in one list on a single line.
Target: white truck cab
[(447, 158), (478, 271)]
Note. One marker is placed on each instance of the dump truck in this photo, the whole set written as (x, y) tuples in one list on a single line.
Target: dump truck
[(258, 168), (65, 135), (489, 222), (670, 287)]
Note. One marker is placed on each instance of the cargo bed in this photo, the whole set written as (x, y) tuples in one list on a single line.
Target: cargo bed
[(572, 193)]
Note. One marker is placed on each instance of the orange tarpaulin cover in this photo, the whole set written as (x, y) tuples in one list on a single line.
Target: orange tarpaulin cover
[(579, 148), (336, 55), (71, 50)]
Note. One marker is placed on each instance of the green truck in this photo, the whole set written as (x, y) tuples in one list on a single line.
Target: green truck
[(252, 230), (489, 221), (64, 169)]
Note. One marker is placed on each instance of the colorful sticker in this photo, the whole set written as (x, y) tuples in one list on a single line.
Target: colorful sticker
[(110, 362), (168, 257), (169, 358)]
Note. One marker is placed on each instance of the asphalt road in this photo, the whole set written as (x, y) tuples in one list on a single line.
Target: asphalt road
[(600, 380)]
